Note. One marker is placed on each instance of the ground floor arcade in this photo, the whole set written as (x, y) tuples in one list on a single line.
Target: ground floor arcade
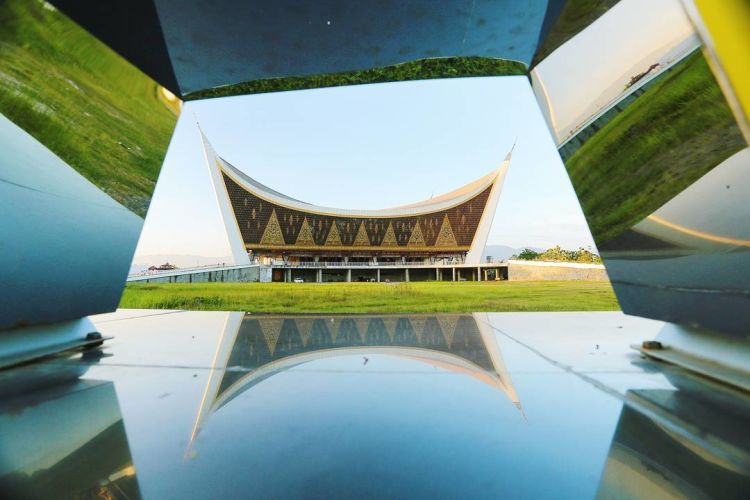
[(388, 274)]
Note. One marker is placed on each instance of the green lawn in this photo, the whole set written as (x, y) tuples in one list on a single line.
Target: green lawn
[(422, 69), (374, 297), (678, 130), (84, 102)]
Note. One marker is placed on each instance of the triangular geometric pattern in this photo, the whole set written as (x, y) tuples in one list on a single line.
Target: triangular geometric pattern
[(333, 238), (390, 326), (304, 327), (389, 240), (404, 334), (320, 333), (272, 233), (448, 326), (417, 324), (362, 326), (271, 331), (361, 240), (305, 236), (416, 239), (446, 238), (377, 333), (347, 333)]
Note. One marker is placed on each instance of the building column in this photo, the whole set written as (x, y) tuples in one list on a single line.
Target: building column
[(319, 276), (348, 275), (346, 259), (406, 274), (378, 274), (288, 275), (437, 274), (479, 274), (316, 258), (454, 273), (485, 275)]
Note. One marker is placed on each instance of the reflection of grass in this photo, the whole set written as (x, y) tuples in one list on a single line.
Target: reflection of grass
[(674, 133), (374, 297), (444, 67), (81, 100), (574, 16)]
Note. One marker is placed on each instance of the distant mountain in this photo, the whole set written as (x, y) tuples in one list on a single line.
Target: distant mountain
[(660, 57), (503, 252), (142, 262)]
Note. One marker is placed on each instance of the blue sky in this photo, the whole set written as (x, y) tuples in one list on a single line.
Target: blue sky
[(369, 146)]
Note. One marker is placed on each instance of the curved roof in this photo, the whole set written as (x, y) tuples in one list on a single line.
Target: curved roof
[(434, 204)]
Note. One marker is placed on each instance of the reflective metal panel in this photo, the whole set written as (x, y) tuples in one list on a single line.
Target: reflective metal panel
[(566, 18), (228, 41), (254, 348), (656, 158), (220, 404), (685, 443), (64, 440), (84, 134)]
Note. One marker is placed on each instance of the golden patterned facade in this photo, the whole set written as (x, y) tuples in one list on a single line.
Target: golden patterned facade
[(268, 226), (264, 222)]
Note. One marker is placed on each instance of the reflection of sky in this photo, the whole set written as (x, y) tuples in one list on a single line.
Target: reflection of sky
[(592, 68), (370, 146), (715, 205), (37, 436), (393, 427)]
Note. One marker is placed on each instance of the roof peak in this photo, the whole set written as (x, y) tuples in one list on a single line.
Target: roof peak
[(434, 203)]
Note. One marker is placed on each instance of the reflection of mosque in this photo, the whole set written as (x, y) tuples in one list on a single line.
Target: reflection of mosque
[(254, 348)]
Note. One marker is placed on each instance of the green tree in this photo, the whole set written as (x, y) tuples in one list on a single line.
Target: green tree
[(527, 254), (557, 254)]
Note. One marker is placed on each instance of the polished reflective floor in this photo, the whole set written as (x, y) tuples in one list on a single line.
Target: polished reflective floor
[(213, 405)]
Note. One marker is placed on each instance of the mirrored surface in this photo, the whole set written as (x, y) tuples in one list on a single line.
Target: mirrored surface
[(84, 134), (654, 154), (61, 437), (473, 405), (272, 39), (683, 443)]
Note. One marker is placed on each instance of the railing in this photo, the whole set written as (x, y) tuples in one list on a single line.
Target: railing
[(314, 265), (204, 267), (321, 264)]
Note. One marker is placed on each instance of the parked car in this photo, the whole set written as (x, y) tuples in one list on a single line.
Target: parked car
[(298, 280)]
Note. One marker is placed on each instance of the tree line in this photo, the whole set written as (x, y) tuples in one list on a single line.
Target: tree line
[(557, 254)]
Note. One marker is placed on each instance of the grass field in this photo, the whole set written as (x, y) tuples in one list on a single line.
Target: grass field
[(422, 69), (84, 102), (374, 297), (678, 130)]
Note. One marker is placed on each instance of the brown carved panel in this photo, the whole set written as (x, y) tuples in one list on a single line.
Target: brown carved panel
[(453, 228)]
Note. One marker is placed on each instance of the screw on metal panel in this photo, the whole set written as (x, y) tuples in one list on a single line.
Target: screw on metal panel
[(651, 344), (93, 337)]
